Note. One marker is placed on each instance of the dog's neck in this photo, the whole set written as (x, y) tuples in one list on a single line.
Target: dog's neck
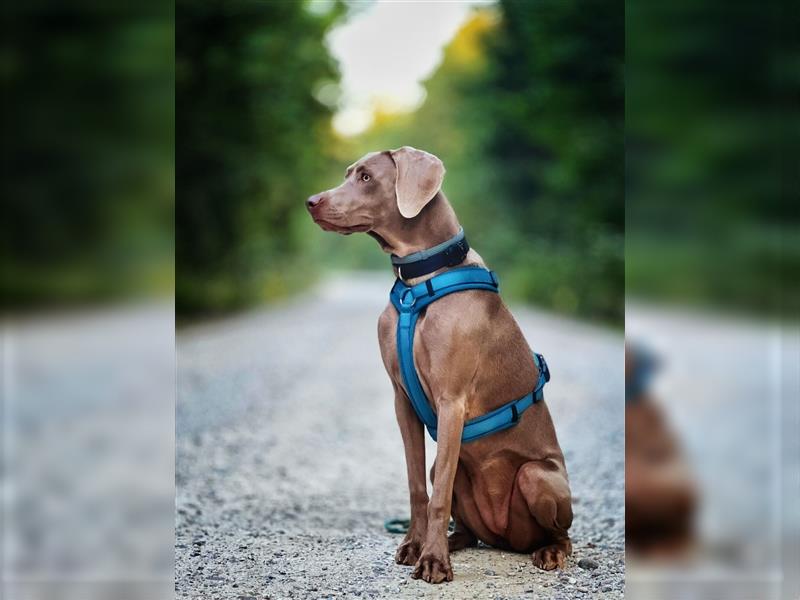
[(435, 223)]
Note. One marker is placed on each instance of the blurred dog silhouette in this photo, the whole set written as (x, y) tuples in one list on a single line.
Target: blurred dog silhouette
[(660, 494)]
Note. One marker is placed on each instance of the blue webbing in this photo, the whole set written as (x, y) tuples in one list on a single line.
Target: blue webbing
[(409, 301)]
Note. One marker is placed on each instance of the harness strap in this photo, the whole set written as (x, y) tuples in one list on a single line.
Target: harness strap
[(409, 301), (507, 415)]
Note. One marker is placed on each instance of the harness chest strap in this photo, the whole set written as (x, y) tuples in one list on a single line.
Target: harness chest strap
[(409, 301)]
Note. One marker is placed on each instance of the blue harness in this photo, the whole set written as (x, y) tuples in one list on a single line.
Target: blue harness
[(409, 301)]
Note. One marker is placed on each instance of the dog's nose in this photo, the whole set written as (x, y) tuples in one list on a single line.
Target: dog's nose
[(315, 201)]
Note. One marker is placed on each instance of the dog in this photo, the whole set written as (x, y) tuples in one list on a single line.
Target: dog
[(510, 489)]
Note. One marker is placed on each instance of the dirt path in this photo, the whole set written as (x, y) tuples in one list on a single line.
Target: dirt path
[(289, 458)]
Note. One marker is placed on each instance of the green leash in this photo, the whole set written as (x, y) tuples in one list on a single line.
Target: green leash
[(397, 526), (400, 526)]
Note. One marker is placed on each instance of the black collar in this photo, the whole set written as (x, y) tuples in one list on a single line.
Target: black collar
[(447, 254)]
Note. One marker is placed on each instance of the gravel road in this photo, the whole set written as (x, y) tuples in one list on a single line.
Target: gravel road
[(289, 459)]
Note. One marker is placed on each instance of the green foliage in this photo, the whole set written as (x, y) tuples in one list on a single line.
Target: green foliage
[(251, 144), (712, 132), (554, 94)]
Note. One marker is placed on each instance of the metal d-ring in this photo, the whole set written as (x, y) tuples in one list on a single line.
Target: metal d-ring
[(404, 302)]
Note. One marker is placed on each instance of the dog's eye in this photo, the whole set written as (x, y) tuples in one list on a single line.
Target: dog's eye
[(365, 177)]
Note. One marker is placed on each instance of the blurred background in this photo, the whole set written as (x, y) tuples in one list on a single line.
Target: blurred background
[(86, 282), (246, 108), (712, 264), (523, 103)]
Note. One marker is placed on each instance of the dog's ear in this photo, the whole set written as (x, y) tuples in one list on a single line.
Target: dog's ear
[(419, 178)]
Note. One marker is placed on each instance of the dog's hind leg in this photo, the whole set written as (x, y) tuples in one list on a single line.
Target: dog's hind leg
[(461, 537), (544, 486)]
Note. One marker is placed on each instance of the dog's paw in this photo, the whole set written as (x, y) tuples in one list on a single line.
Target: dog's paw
[(433, 568), (408, 552), (549, 558)]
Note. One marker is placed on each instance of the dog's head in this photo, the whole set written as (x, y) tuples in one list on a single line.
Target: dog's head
[(379, 189)]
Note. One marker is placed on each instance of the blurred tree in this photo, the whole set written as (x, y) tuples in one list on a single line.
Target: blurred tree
[(251, 142), (555, 98), (713, 134), (88, 151)]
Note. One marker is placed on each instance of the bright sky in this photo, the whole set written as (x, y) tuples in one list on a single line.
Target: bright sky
[(385, 50)]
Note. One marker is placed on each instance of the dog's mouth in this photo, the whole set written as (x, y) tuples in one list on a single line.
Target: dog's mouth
[(343, 229)]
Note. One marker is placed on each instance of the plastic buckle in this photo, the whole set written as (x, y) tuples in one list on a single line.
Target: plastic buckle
[(455, 254), (450, 255), (543, 367)]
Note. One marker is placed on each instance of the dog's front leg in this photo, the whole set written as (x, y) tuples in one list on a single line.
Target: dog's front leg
[(414, 443), (434, 564)]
